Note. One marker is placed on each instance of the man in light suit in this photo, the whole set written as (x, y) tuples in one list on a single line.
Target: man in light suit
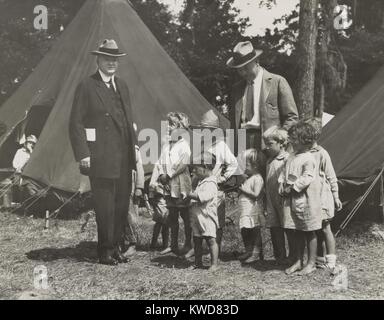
[(103, 141), (260, 99)]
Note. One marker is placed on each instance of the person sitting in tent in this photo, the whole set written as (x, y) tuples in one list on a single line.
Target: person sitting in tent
[(23, 154), (19, 161)]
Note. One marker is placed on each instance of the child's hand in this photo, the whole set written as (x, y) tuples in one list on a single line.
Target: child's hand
[(193, 196), (287, 190), (338, 204)]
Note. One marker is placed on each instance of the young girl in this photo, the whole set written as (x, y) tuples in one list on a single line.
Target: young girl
[(276, 140), (157, 199), (251, 206), (329, 200), (174, 174), (204, 219), (300, 186)]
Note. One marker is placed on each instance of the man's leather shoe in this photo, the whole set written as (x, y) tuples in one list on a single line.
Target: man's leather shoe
[(120, 258), (108, 261)]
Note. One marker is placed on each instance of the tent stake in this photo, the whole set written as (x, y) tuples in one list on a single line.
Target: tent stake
[(46, 219)]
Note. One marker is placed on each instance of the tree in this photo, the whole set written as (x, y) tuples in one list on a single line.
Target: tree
[(307, 57), (209, 29)]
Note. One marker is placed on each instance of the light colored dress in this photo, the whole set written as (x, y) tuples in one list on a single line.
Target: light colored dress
[(329, 187), (204, 220), (302, 208), (174, 160), (275, 212), (251, 210)]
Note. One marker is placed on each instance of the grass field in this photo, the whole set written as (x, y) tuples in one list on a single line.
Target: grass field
[(69, 254)]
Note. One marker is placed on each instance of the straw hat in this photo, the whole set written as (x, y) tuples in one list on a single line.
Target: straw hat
[(109, 48), (243, 53)]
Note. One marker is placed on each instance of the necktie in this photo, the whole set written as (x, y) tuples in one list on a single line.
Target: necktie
[(248, 110), (110, 85)]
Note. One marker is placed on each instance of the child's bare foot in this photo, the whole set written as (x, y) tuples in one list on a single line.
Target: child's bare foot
[(165, 251), (309, 268), (244, 256), (189, 254), (295, 267), (213, 268)]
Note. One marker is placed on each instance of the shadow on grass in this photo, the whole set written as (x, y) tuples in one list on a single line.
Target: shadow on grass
[(266, 265), (85, 251), (170, 261)]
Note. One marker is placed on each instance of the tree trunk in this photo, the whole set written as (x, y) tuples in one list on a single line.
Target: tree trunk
[(307, 57)]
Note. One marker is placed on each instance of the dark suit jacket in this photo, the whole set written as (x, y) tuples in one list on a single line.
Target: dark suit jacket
[(92, 109), (277, 105)]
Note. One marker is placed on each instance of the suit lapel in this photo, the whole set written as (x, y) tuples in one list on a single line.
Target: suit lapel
[(239, 103), (266, 85), (102, 91)]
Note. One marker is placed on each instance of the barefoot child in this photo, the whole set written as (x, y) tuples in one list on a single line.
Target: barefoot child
[(300, 186), (251, 204), (160, 211), (174, 174), (203, 212), (276, 140), (329, 200)]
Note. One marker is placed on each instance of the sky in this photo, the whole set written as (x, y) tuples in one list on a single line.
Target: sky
[(260, 18)]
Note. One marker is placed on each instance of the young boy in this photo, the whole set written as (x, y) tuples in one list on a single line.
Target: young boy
[(203, 212)]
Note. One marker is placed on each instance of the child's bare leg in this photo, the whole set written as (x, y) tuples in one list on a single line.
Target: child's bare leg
[(311, 240), (219, 238), (198, 241), (155, 234), (214, 252), (298, 238), (329, 238), (247, 245)]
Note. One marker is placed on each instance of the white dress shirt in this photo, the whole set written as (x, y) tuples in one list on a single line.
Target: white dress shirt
[(257, 84), (107, 78)]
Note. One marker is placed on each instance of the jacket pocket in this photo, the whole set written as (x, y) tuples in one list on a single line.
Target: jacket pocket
[(299, 203)]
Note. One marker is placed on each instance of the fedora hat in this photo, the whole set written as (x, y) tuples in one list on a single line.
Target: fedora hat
[(109, 48), (243, 53), (208, 120)]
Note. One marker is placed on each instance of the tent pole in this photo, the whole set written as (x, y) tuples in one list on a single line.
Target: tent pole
[(359, 203)]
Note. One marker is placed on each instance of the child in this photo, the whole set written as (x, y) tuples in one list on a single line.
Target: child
[(276, 140), (300, 186), (251, 206), (174, 174), (204, 219), (329, 200), (160, 215)]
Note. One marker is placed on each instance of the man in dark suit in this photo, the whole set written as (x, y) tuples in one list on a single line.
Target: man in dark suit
[(103, 141), (259, 100)]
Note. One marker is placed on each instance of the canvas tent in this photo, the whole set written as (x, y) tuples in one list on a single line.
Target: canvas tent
[(157, 86), (354, 140)]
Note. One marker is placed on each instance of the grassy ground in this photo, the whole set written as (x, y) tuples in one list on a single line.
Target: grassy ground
[(69, 255)]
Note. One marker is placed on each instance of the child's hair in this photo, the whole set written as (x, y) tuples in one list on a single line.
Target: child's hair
[(316, 124), (179, 119), (277, 134), (251, 157), (206, 160), (304, 133)]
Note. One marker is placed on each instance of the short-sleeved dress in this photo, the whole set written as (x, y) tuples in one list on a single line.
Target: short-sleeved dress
[(302, 208), (328, 179), (204, 220), (251, 210), (274, 203)]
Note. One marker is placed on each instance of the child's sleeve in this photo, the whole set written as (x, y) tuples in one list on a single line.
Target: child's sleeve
[(330, 175), (255, 187), (207, 191), (307, 176), (139, 170), (183, 161)]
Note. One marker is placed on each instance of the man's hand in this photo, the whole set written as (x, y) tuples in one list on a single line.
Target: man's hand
[(86, 162), (193, 196), (338, 205), (138, 193)]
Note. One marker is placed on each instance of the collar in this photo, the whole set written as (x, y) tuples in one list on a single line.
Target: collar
[(106, 78), (282, 156), (316, 148), (258, 77)]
